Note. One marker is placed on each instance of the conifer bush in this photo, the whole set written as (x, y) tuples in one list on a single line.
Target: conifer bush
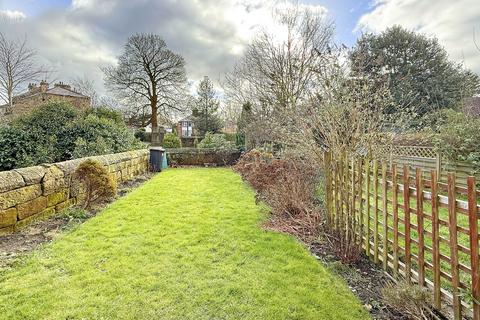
[(99, 185), (171, 140)]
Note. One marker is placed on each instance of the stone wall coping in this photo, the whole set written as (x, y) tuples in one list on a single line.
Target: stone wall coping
[(10, 180), (17, 178)]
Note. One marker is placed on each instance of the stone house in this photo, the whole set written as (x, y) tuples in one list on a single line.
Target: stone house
[(38, 95), (187, 131), (186, 127)]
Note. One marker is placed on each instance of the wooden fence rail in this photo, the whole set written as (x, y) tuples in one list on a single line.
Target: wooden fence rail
[(418, 229)]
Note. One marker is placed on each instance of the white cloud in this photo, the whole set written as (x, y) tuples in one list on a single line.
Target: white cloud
[(210, 34), (12, 15), (452, 22)]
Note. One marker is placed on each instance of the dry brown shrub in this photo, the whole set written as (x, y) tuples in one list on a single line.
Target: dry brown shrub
[(346, 249), (408, 299), (287, 185)]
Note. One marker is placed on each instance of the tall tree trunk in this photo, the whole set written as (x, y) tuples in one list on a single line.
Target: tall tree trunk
[(156, 141)]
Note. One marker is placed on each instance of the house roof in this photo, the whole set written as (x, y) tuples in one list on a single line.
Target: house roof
[(60, 91), (189, 118)]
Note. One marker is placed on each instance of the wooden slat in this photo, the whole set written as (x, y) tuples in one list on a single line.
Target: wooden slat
[(421, 244), (385, 215), (328, 186), (337, 197), (435, 242), (395, 219), (360, 196), (406, 204), (473, 226), (367, 187), (375, 211), (352, 205), (452, 215), (341, 193)]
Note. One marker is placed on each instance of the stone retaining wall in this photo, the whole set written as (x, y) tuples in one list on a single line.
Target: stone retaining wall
[(201, 157), (29, 194)]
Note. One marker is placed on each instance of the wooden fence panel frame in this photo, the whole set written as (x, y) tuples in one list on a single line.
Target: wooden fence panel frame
[(354, 192)]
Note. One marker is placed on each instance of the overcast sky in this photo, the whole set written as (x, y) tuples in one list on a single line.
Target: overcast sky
[(78, 36)]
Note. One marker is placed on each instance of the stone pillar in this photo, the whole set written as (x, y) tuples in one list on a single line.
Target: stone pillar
[(157, 136)]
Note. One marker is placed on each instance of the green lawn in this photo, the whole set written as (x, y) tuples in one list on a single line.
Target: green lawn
[(186, 245)]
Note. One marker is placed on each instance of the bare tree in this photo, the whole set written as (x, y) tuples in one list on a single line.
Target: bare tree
[(18, 65), (278, 71), (151, 74), (86, 87)]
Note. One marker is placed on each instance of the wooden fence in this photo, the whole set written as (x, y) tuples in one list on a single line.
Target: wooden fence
[(420, 230), (427, 159)]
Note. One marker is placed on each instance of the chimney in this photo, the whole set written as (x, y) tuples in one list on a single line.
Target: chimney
[(63, 85), (32, 86), (43, 86)]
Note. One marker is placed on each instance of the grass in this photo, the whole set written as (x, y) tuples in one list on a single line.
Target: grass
[(185, 245)]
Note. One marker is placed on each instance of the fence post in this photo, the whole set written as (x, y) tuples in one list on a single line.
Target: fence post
[(406, 207), (473, 224), (452, 219)]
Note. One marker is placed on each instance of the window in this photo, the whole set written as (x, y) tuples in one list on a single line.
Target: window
[(187, 128)]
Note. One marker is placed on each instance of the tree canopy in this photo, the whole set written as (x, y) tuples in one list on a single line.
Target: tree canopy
[(421, 76)]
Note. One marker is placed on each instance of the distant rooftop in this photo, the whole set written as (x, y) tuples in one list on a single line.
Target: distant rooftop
[(59, 89)]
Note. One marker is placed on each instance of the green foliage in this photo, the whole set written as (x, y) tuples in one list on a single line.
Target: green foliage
[(206, 109), (16, 148), (98, 184), (74, 213), (108, 113), (458, 137), (49, 119), (90, 148), (57, 132), (420, 75), (245, 118), (215, 141), (142, 135), (171, 140), (110, 137), (230, 136)]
